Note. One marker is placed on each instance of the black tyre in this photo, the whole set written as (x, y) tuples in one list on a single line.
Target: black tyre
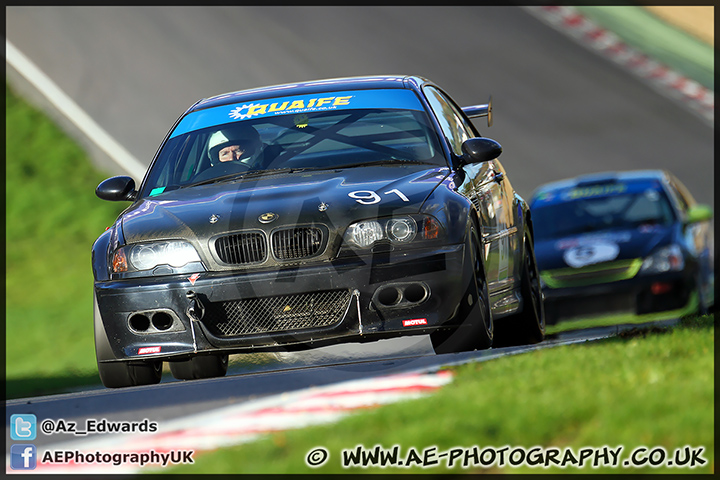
[(528, 326), (126, 374), (475, 310), (203, 366)]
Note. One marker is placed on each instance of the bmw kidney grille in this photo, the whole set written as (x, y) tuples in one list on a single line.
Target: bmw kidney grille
[(287, 244)]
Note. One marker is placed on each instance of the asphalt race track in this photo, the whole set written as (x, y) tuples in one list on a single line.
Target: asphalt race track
[(559, 111)]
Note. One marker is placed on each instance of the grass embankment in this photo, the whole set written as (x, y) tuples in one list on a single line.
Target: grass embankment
[(651, 388), (52, 218)]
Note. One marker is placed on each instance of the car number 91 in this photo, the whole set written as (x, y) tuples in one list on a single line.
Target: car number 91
[(368, 197)]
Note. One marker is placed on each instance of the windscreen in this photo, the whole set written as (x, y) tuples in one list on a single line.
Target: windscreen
[(337, 130), (579, 210)]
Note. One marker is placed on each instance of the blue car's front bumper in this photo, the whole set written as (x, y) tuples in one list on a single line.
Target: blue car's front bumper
[(639, 295)]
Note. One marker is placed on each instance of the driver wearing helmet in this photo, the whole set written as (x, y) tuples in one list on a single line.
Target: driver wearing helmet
[(235, 144)]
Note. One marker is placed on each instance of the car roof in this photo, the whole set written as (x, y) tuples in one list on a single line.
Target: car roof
[(603, 177), (314, 86)]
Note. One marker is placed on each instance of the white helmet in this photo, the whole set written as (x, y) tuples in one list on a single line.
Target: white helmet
[(244, 136)]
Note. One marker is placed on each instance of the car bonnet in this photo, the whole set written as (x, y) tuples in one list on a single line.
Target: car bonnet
[(334, 198)]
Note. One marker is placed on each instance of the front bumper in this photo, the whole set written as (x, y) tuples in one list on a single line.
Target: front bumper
[(356, 299), (640, 295)]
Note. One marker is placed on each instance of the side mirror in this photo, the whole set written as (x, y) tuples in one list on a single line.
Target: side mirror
[(480, 149), (698, 213), (117, 189)]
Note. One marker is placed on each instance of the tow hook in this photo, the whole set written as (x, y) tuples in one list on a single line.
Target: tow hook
[(195, 310)]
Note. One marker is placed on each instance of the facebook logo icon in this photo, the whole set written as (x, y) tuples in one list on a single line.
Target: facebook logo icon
[(23, 457), (23, 427)]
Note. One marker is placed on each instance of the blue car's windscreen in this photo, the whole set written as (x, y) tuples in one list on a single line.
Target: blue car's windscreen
[(579, 210), (342, 129)]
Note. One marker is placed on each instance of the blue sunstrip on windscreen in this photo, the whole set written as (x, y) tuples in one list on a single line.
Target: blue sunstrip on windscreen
[(296, 104), (553, 197)]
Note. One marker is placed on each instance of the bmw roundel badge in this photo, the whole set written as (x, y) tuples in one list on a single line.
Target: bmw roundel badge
[(268, 217)]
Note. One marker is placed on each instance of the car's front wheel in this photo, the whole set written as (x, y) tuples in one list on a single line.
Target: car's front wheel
[(129, 374), (202, 366), (527, 326), (475, 309)]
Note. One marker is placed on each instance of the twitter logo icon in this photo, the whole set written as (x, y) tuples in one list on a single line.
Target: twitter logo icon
[(23, 427)]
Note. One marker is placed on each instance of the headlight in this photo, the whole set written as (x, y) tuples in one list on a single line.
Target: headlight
[(397, 230), (146, 256), (666, 259), (401, 230), (364, 234)]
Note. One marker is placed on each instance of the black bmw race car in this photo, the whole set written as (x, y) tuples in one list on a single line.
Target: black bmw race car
[(294, 216), (632, 246)]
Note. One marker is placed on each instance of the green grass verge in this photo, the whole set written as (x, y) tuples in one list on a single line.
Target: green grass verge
[(52, 218), (652, 388), (669, 45)]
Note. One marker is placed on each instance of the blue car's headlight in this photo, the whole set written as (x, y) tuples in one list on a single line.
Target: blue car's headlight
[(147, 256), (665, 259)]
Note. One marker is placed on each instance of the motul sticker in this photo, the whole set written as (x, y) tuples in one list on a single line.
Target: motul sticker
[(414, 322), (146, 350)]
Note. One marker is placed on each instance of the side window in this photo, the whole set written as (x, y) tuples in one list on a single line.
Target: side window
[(453, 124)]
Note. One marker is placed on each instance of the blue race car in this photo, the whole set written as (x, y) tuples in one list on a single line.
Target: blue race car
[(623, 243)]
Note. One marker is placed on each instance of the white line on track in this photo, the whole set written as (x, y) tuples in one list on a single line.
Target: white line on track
[(73, 112)]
